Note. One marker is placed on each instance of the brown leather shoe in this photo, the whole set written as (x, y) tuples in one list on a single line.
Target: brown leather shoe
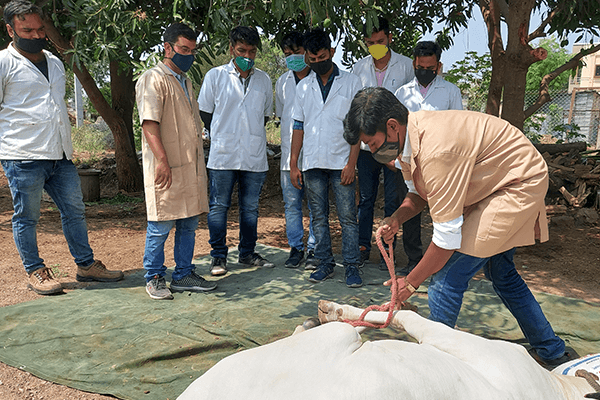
[(42, 281), (97, 272)]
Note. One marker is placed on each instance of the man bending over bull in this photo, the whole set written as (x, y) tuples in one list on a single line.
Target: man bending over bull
[(484, 183)]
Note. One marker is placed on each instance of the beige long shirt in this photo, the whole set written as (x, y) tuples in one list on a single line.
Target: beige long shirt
[(481, 167), (160, 97)]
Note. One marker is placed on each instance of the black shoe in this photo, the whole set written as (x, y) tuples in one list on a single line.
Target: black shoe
[(218, 266), (569, 355), (382, 265), (192, 283), (364, 255), (295, 259), (406, 270), (311, 262), (255, 260)]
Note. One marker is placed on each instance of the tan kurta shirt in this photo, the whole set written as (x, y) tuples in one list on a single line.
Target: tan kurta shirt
[(161, 98), (479, 166)]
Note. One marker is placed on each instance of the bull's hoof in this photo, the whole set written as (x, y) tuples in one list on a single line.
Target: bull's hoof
[(408, 306), (329, 311), (311, 323)]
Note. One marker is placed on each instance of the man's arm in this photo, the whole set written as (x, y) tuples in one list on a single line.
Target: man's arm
[(295, 174), (411, 206), (163, 177), (455, 99), (206, 119), (349, 171), (433, 260)]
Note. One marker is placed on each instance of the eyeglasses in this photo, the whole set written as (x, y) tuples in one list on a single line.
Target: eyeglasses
[(184, 49)]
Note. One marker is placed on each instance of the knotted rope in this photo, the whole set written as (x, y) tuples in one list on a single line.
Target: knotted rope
[(388, 256)]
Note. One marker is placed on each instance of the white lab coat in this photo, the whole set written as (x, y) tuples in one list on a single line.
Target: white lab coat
[(34, 123), (399, 71), (442, 95), (238, 140), (285, 94), (324, 146)]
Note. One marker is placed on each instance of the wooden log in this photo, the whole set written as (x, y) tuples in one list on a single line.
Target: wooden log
[(590, 176), (568, 196), (556, 209), (560, 148), (561, 167)]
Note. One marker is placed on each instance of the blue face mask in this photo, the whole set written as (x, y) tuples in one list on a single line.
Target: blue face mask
[(295, 62), (183, 62), (244, 63)]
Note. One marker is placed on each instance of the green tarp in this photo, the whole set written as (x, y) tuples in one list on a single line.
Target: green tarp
[(113, 339)]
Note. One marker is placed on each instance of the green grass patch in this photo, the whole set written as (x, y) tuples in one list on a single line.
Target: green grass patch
[(273, 133), (120, 199), (88, 139)]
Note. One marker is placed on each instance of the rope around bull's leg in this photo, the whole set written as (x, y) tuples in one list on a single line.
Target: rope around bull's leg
[(389, 261)]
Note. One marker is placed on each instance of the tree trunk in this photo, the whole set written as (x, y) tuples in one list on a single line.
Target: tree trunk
[(129, 172), (123, 98), (519, 55), (491, 16)]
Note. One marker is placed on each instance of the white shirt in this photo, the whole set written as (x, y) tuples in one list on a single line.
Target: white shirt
[(324, 146), (285, 94), (399, 71), (441, 95), (34, 123), (238, 140)]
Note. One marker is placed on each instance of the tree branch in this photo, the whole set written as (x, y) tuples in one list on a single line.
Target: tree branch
[(503, 7), (540, 31), (544, 94)]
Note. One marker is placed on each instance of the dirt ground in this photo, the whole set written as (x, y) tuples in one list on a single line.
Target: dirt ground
[(567, 265)]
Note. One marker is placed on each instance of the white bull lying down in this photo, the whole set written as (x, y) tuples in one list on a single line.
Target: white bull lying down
[(331, 362)]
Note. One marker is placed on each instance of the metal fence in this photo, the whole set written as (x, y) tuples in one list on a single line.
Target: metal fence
[(573, 116)]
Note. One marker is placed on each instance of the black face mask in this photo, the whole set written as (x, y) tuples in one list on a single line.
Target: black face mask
[(425, 76), (323, 67), (32, 46)]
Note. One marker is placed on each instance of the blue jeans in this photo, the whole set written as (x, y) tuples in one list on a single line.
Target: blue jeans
[(183, 249), (294, 228), (368, 185), (449, 284), (221, 187), (317, 183), (61, 181)]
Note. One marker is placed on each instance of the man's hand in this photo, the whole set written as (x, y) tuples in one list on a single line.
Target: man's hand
[(402, 294), (392, 166), (390, 227), (296, 177), (348, 175), (164, 177)]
